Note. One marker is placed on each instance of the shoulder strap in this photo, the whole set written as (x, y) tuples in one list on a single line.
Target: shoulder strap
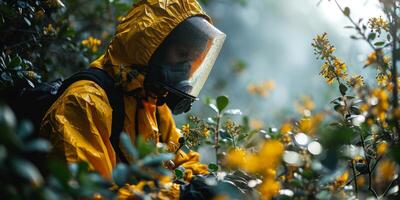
[(115, 98)]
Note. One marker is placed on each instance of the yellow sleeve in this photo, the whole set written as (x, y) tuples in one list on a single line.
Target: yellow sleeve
[(170, 135), (78, 125)]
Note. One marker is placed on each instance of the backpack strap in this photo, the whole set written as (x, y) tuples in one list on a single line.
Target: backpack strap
[(115, 97)]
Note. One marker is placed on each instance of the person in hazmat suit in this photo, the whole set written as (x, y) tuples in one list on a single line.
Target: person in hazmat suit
[(161, 55)]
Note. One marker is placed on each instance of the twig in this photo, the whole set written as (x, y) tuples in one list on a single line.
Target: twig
[(216, 138), (388, 188), (354, 177)]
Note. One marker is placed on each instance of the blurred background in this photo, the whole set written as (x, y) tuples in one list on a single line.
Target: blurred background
[(267, 62)]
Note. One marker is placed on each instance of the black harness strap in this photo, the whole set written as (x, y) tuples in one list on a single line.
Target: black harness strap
[(115, 97)]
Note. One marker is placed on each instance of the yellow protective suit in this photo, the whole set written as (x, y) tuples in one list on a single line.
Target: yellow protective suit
[(79, 123)]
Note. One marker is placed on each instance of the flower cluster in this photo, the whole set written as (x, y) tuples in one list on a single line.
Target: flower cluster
[(333, 67), (378, 24), (92, 43), (254, 162), (262, 89)]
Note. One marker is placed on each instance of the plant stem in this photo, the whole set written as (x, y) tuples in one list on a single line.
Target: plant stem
[(355, 178), (216, 138), (370, 187), (393, 30)]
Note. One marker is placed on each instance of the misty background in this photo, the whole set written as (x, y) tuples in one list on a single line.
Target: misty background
[(273, 38)]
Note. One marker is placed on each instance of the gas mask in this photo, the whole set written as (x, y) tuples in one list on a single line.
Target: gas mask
[(180, 66)]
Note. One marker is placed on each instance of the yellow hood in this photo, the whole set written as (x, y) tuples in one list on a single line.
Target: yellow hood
[(140, 33)]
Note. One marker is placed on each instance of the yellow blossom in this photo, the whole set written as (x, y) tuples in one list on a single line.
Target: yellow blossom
[(378, 24), (186, 129), (381, 148), (39, 14), (286, 128), (386, 170), (262, 89), (341, 180), (323, 49), (48, 29), (359, 159), (361, 181), (340, 68), (356, 81), (364, 107), (206, 132), (269, 188), (371, 59), (236, 157), (309, 125), (92, 43), (383, 79), (382, 105)]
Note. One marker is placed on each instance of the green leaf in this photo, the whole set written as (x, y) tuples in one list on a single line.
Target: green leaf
[(27, 171), (212, 167), (128, 146), (371, 36), (145, 147), (346, 11), (38, 145), (179, 172), (379, 43), (15, 62), (157, 160), (25, 129), (120, 174), (222, 103), (60, 171), (343, 89)]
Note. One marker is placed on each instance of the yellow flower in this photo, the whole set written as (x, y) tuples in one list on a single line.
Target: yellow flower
[(383, 79), (186, 129), (378, 24), (286, 128), (48, 29), (323, 49), (92, 43), (328, 74), (364, 107), (341, 180), (386, 170), (262, 89), (39, 14), (340, 68), (359, 159), (371, 59), (206, 132), (269, 188), (356, 81), (361, 181), (236, 157), (381, 148), (382, 105), (309, 125)]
